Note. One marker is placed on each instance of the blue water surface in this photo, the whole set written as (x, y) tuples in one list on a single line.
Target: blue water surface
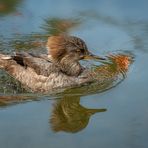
[(106, 26)]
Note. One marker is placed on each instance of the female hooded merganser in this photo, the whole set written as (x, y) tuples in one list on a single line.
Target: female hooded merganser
[(60, 68)]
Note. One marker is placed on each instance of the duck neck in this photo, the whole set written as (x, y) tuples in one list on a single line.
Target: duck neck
[(69, 67)]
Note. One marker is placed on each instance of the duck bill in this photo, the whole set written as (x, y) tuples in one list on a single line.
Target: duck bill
[(91, 56)]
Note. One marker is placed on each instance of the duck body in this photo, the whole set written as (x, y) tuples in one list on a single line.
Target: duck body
[(44, 76), (41, 75), (60, 67)]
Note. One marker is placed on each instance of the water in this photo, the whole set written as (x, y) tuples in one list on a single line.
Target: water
[(106, 26)]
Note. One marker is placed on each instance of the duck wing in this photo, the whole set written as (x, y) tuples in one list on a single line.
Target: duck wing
[(39, 63)]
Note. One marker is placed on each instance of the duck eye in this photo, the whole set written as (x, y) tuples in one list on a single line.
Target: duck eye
[(82, 50)]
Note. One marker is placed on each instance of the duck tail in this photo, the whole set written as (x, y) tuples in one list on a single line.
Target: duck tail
[(4, 60)]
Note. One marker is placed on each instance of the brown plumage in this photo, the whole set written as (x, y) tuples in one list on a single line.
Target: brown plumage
[(66, 51), (58, 46), (59, 69)]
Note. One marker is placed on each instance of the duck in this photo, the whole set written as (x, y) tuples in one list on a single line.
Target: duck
[(59, 68)]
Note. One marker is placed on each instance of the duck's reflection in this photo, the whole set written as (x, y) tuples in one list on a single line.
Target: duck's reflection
[(69, 115), (56, 26), (8, 6)]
